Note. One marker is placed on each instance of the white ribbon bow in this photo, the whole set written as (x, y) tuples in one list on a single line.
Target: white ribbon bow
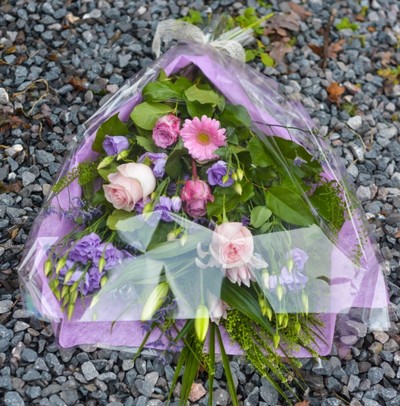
[(230, 42)]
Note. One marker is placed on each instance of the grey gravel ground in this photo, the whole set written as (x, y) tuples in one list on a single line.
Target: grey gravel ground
[(99, 44)]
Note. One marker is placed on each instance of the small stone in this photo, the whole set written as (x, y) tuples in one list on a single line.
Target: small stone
[(197, 391), (20, 326), (381, 336), (364, 193), (5, 306), (43, 157), (354, 122), (13, 399), (70, 397), (29, 355), (4, 99), (388, 393), (354, 382), (391, 346), (221, 397), (268, 393), (31, 375), (5, 382), (375, 375), (28, 178), (33, 392), (89, 371), (359, 329), (145, 388), (349, 340)]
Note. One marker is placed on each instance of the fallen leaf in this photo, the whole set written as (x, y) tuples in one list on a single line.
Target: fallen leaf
[(281, 22), (71, 18), (397, 235), (278, 50), (386, 58), (303, 403), (299, 10), (333, 49), (371, 28), (334, 92), (14, 233), (79, 83)]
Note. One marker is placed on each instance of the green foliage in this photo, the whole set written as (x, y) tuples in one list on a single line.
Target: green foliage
[(235, 116), (289, 206), (349, 108), (247, 18), (85, 172), (118, 216), (391, 74), (259, 216), (145, 114), (112, 126), (345, 24), (194, 17), (329, 205)]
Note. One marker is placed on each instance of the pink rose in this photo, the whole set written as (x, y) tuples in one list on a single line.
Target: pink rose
[(130, 184), (195, 194), (232, 247), (166, 131)]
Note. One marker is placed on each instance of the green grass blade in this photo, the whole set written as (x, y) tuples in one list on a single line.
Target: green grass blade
[(211, 351), (228, 373)]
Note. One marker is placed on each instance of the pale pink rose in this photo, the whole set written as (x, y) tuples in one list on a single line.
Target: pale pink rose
[(232, 247), (195, 194), (130, 184), (166, 131)]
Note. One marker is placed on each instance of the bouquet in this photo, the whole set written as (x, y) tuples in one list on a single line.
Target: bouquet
[(203, 213)]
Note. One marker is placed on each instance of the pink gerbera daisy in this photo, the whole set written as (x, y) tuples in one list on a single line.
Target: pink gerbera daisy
[(203, 137)]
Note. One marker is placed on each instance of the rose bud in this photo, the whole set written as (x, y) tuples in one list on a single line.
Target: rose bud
[(195, 195)]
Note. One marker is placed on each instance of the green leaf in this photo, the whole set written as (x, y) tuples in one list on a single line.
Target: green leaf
[(251, 54), (173, 166), (194, 17), (202, 96), (289, 206), (146, 143), (196, 109), (211, 352), (161, 91), (267, 60), (227, 369), (235, 115), (112, 126), (259, 155), (259, 215), (345, 24), (117, 216), (98, 198), (106, 171), (145, 115)]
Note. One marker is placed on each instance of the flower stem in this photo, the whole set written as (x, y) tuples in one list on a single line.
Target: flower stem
[(194, 170)]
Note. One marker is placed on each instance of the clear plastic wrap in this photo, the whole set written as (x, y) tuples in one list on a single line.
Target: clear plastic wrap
[(314, 264)]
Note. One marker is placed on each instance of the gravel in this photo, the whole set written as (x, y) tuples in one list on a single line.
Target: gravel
[(100, 44)]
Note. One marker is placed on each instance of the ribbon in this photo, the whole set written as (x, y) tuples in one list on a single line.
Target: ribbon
[(230, 42)]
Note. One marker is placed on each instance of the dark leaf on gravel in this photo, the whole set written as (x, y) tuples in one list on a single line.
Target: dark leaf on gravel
[(299, 10), (279, 49), (279, 23), (79, 84), (333, 49)]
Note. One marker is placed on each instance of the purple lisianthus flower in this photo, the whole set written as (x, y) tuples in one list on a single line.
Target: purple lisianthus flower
[(112, 256), (84, 249), (293, 280), (91, 281), (158, 159), (165, 206), (115, 144), (216, 173), (141, 204), (299, 257)]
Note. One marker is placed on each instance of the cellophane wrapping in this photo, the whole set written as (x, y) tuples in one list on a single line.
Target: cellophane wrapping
[(337, 266)]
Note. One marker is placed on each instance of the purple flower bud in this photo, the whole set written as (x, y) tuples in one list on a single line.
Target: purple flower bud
[(115, 144), (176, 203), (158, 159), (217, 175)]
